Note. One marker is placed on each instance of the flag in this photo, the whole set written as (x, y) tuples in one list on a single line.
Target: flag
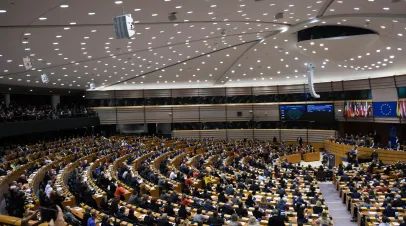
[(399, 109), (404, 108)]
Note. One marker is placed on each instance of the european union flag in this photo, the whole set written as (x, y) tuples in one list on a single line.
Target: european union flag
[(385, 109)]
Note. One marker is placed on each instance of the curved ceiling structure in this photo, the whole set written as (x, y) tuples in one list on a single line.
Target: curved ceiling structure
[(211, 43)]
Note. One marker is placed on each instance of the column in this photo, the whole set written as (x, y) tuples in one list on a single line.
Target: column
[(55, 100), (7, 99)]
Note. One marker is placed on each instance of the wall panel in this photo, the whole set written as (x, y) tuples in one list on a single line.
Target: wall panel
[(245, 109), (401, 81), (321, 87), (215, 134), (121, 94), (159, 114), (293, 134), (266, 112), (261, 134), (188, 113), (94, 95), (292, 89), (213, 113), (264, 90), (240, 134), (356, 85), (212, 92), (337, 86), (237, 91), (130, 115), (107, 115), (185, 92), (153, 93), (266, 134)]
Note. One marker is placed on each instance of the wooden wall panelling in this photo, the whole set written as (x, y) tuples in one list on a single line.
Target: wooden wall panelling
[(130, 115), (213, 113), (382, 83), (321, 87), (293, 134), (264, 90), (245, 109), (401, 80), (92, 95), (215, 134), (212, 92), (185, 113), (237, 91), (337, 86), (266, 134), (129, 94), (266, 112), (185, 92), (154, 93), (356, 85), (239, 134), (160, 114), (107, 115), (291, 89), (320, 135)]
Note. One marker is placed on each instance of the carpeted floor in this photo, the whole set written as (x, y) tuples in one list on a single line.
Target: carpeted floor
[(336, 207)]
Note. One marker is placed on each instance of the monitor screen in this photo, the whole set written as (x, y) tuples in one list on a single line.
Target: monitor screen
[(320, 112), (292, 112)]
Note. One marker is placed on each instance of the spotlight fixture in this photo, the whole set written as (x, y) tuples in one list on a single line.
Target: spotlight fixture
[(172, 16)]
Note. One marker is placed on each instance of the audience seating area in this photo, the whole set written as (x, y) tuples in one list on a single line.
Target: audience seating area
[(149, 180)]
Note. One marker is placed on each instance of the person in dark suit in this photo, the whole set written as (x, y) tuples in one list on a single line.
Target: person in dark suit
[(149, 220), (398, 202), (276, 219), (215, 220), (163, 221), (300, 141), (318, 208), (389, 211)]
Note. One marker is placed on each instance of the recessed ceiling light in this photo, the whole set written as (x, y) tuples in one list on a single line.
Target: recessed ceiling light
[(27, 34), (178, 7), (72, 23), (386, 8), (94, 30), (91, 14), (383, 27), (66, 28), (154, 14), (118, 2), (136, 10), (356, 8), (3, 11), (64, 6), (42, 18)]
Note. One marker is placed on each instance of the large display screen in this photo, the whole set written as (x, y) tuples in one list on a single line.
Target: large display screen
[(292, 112), (320, 112)]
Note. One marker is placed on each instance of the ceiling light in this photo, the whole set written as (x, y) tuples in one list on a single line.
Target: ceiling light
[(154, 14), (93, 30), (64, 6), (66, 28), (383, 27), (136, 10), (386, 8), (356, 8), (42, 18), (91, 14), (72, 23), (118, 2), (27, 34)]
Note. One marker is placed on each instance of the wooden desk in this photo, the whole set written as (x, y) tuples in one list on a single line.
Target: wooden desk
[(296, 158), (311, 157)]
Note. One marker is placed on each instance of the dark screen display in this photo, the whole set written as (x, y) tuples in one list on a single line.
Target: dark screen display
[(320, 112), (292, 112)]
